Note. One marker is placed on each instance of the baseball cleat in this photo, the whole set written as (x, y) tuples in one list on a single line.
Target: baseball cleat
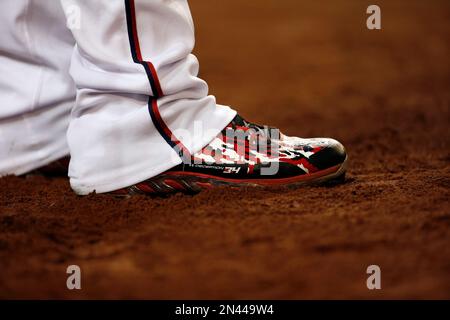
[(246, 154)]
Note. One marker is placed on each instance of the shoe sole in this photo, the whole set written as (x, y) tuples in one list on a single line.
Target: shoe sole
[(189, 182)]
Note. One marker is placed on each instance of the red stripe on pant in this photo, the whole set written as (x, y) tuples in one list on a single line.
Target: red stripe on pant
[(155, 84)]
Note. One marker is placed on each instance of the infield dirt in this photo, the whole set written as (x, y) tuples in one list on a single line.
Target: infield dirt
[(311, 69)]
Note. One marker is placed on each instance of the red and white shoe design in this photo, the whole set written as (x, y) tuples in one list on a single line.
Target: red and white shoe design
[(246, 154)]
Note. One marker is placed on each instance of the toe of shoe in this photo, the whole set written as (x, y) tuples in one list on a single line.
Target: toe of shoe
[(332, 154)]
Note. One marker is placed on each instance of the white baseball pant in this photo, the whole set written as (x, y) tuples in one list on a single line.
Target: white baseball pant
[(113, 82)]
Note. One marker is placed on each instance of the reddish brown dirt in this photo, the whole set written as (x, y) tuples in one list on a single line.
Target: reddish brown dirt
[(312, 69)]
